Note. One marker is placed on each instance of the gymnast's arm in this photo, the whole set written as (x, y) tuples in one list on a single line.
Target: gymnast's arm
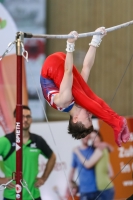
[(64, 97), (91, 53), (88, 63)]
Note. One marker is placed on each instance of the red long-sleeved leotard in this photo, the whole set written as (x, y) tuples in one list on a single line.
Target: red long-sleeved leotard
[(53, 69)]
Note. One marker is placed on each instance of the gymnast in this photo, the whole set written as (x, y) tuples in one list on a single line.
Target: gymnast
[(66, 90)]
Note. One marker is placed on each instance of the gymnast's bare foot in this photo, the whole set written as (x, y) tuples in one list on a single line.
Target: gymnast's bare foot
[(123, 135)]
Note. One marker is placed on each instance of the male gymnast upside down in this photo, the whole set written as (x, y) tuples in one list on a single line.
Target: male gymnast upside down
[(66, 90)]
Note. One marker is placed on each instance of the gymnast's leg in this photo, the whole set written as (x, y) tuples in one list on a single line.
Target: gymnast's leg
[(125, 134), (92, 106), (92, 95)]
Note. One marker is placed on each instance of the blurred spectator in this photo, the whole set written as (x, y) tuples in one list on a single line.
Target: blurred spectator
[(99, 160), (72, 193), (33, 146), (87, 180)]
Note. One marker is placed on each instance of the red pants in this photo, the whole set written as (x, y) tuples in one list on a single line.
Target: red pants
[(53, 68)]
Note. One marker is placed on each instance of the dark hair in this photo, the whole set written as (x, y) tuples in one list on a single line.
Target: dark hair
[(78, 130), (23, 107)]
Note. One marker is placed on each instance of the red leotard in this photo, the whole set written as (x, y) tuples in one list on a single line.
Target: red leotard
[(53, 68)]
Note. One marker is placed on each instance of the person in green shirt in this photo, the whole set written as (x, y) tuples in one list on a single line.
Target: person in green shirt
[(100, 160), (33, 146)]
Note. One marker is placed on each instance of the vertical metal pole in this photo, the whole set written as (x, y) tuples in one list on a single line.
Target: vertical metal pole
[(19, 138)]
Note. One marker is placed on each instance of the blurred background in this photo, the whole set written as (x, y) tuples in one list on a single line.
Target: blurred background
[(110, 78)]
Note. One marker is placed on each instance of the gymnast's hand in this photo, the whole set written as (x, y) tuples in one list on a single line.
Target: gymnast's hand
[(75, 34), (102, 30), (96, 40)]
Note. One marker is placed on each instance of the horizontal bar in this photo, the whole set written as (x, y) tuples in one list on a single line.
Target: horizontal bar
[(30, 35)]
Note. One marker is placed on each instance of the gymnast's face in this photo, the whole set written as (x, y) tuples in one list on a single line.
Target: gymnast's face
[(85, 117)]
